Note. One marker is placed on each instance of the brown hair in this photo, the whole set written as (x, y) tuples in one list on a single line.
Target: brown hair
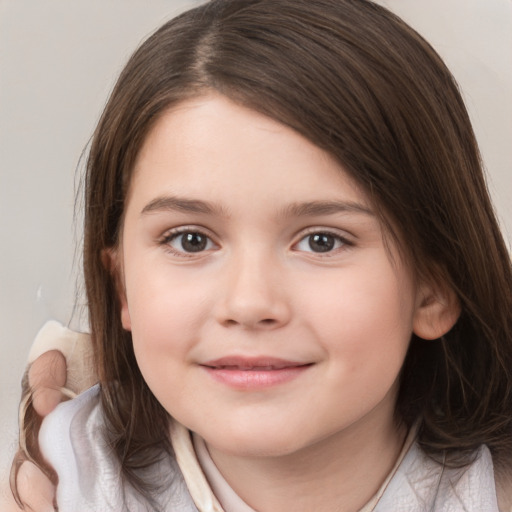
[(358, 82)]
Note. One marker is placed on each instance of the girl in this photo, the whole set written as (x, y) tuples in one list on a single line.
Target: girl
[(299, 296)]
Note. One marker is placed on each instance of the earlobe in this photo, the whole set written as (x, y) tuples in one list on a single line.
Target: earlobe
[(111, 261), (437, 312)]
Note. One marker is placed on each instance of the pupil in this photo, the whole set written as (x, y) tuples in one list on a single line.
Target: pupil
[(321, 242), (193, 242)]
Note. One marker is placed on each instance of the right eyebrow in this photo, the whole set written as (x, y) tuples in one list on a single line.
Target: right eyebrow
[(181, 204)]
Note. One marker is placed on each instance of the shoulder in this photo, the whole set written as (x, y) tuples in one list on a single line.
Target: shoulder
[(72, 439), (422, 483), (57, 435)]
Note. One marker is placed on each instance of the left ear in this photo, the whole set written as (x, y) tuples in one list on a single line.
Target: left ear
[(437, 312)]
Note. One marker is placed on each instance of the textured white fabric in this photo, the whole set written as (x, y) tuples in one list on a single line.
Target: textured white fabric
[(71, 440), (422, 485)]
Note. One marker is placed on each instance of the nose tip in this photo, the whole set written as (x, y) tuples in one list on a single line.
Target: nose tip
[(254, 300)]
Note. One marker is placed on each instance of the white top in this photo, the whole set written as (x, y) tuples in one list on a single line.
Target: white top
[(90, 479)]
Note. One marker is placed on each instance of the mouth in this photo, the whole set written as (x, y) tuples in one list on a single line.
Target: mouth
[(252, 363), (252, 373)]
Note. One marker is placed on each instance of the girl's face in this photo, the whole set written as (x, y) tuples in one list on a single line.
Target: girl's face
[(267, 312)]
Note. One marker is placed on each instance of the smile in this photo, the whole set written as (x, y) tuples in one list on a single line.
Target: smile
[(254, 373)]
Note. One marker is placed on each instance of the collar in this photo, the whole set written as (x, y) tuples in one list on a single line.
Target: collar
[(208, 487)]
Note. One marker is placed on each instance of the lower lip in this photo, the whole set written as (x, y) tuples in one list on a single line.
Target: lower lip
[(255, 379)]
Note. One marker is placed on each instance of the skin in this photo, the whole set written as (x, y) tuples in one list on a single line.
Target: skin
[(46, 377), (257, 285), (35, 489), (324, 439)]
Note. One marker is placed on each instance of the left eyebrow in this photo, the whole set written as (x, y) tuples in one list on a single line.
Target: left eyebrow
[(316, 208)]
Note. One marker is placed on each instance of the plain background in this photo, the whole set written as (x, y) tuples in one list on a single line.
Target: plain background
[(58, 62)]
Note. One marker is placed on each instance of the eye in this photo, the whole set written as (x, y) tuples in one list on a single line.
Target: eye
[(189, 242), (321, 242)]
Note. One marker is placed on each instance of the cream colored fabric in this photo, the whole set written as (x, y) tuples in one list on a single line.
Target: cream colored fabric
[(228, 498), (76, 348), (196, 481)]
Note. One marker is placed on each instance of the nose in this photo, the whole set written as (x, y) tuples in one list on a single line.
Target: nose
[(254, 295)]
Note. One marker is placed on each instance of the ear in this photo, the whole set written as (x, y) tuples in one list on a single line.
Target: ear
[(112, 262), (437, 312)]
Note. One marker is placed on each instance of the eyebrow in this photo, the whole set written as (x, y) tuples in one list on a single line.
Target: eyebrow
[(181, 204), (317, 208)]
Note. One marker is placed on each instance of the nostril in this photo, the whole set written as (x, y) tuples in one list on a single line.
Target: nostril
[(262, 323)]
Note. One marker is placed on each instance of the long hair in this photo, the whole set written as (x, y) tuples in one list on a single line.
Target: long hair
[(361, 84)]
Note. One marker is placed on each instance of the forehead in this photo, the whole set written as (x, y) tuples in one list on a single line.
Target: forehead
[(212, 146)]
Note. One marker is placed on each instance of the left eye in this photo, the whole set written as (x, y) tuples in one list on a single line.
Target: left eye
[(190, 242), (320, 242)]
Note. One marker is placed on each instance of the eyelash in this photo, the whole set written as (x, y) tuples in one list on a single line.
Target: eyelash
[(339, 242)]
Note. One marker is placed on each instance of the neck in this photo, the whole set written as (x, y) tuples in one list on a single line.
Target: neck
[(341, 473)]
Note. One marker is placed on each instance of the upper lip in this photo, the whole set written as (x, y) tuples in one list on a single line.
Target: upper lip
[(252, 363)]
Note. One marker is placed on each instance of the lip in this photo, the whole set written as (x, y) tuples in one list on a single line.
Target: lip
[(246, 373)]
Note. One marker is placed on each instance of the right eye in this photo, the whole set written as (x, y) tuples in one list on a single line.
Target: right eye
[(188, 242)]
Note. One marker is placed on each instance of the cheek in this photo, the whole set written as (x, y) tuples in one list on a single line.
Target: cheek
[(159, 295), (162, 333), (164, 313), (364, 322)]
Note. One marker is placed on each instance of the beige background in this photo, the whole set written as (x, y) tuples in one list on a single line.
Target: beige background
[(58, 61)]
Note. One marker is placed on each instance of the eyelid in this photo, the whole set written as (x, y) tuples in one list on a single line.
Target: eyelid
[(337, 232)]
